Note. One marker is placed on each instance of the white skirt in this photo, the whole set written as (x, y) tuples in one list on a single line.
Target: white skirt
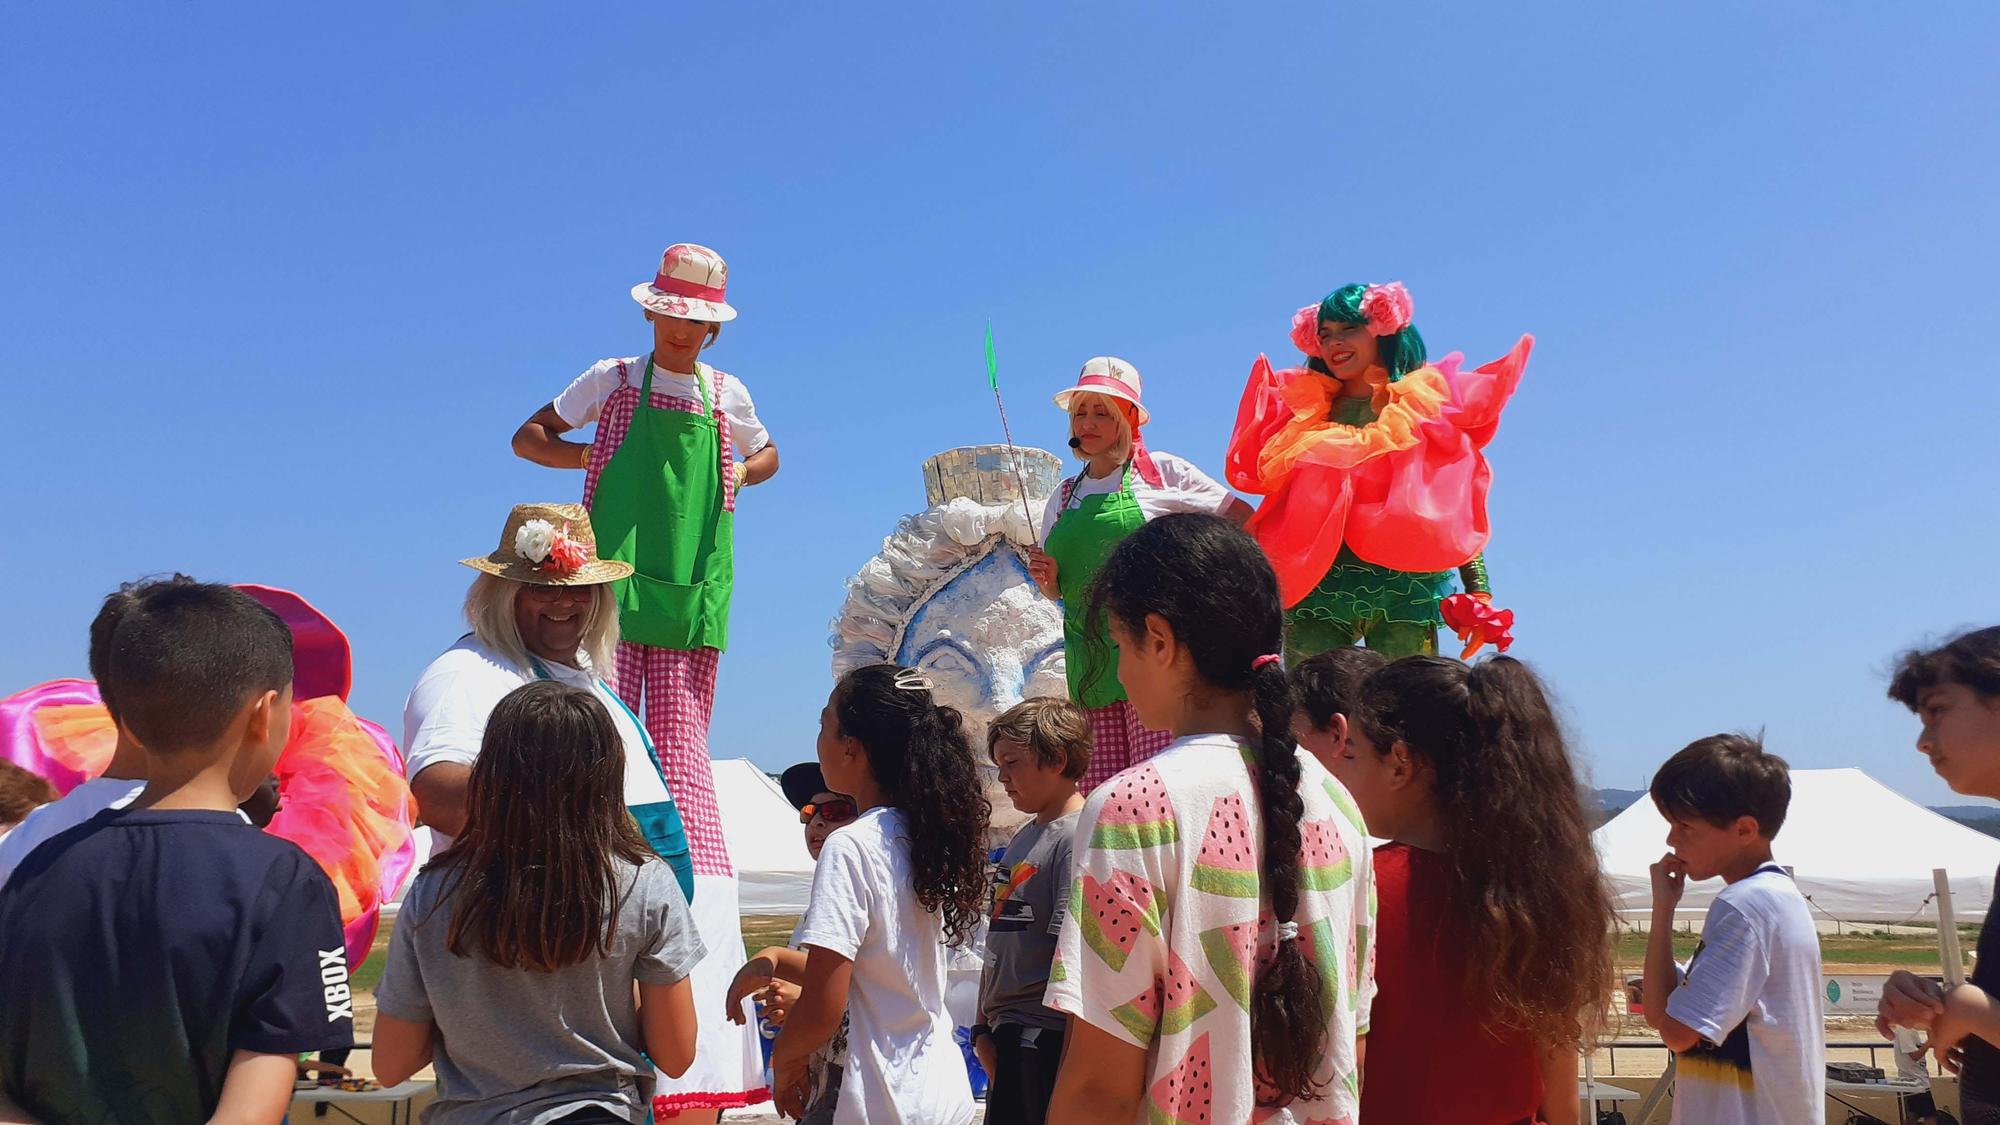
[(728, 1070)]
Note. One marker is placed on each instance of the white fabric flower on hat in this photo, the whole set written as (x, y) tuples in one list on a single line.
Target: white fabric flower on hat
[(534, 540)]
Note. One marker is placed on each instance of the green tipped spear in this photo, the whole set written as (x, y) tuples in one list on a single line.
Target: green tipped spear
[(993, 380)]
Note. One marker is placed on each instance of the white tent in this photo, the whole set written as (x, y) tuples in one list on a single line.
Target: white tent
[(774, 871), (1859, 850)]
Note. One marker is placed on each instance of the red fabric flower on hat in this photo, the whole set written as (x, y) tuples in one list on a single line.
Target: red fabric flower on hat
[(1477, 623), (1305, 329), (1388, 308), (566, 555)]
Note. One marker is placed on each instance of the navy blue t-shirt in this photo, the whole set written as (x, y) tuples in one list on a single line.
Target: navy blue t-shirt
[(142, 949)]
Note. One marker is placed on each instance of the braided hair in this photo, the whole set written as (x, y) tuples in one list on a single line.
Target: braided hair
[(1217, 592)]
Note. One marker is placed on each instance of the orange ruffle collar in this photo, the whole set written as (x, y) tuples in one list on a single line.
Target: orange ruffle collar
[(1312, 436)]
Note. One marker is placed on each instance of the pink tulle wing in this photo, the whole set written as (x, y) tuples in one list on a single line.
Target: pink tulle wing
[(1260, 414), (56, 731)]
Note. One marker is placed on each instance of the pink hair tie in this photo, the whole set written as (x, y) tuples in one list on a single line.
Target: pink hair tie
[(1258, 664)]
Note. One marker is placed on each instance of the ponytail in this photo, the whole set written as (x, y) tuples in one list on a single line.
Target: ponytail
[(918, 752), (1215, 588), (1288, 1001), (1526, 893)]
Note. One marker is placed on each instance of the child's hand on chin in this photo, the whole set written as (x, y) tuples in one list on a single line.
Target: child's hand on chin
[(1669, 880)]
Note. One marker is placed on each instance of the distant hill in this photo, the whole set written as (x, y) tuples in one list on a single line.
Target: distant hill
[(1615, 801), (1979, 818)]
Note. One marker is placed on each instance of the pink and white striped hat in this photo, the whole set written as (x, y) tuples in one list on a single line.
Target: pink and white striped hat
[(1110, 376), (691, 285)]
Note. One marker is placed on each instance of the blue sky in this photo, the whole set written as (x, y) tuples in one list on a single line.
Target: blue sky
[(279, 283)]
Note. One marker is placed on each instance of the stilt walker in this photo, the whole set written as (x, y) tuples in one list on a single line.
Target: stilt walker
[(662, 482), (1370, 461)]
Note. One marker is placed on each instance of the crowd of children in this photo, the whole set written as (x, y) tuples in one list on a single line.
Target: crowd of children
[(1207, 937), (1194, 925)]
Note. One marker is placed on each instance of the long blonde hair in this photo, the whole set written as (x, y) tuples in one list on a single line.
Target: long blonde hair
[(489, 609)]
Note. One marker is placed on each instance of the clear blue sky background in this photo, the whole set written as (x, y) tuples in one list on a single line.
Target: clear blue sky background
[(278, 282)]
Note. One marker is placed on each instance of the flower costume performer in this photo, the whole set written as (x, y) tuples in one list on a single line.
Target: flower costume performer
[(340, 790), (662, 478), (1121, 486), (1375, 487)]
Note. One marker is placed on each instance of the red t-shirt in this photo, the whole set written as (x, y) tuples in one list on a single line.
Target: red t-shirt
[(1430, 1059)]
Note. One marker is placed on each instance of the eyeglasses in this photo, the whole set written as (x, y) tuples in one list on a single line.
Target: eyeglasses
[(840, 808)]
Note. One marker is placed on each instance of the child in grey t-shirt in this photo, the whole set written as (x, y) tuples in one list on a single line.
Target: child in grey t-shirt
[(514, 957), (1041, 748)]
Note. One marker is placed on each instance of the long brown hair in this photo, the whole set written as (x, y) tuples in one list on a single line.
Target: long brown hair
[(1526, 895), (546, 834)]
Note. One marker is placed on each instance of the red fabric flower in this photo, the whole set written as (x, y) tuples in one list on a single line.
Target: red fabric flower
[(1305, 330), (1388, 308), (566, 555), (1477, 623)]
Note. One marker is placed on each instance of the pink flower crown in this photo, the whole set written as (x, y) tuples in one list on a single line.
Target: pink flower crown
[(1388, 309)]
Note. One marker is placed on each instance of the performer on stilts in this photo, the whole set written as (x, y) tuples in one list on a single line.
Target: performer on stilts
[(662, 480), (1370, 462), (1121, 486)]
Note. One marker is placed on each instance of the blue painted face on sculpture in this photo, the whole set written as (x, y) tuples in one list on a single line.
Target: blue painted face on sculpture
[(988, 639)]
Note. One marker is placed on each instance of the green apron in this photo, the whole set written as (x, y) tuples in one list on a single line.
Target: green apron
[(658, 506), (1080, 542)]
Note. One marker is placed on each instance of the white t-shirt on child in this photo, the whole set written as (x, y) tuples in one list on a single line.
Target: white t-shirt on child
[(1752, 992), (66, 812), (902, 1063)]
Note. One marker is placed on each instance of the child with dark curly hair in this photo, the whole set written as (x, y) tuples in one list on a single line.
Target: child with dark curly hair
[(892, 890)]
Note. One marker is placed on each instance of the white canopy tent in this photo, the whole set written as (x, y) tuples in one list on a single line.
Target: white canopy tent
[(774, 872), (1860, 851)]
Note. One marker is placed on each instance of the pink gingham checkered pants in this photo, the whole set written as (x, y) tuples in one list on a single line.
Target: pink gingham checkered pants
[(673, 689), (1118, 740)]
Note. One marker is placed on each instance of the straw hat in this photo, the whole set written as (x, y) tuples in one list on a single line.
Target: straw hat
[(692, 284), (550, 545), (1109, 376)]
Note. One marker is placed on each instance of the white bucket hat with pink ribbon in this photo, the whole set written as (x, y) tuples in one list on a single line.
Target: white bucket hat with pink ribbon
[(1109, 376), (691, 285)]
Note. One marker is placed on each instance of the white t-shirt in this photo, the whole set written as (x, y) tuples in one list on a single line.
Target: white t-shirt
[(1752, 992), (1183, 488), (66, 812), (902, 1063), (1171, 920), (444, 719), (580, 403)]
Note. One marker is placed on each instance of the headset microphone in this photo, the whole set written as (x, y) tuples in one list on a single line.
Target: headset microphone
[(1076, 443)]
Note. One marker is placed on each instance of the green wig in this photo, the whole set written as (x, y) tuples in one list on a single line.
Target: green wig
[(1400, 354)]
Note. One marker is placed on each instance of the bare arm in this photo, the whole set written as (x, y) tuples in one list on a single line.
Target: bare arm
[(1102, 1078), (667, 1020), (1560, 1105), (440, 793), (402, 1048), (771, 962), (1662, 977), (759, 466), (256, 1090), (813, 1020), (537, 441)]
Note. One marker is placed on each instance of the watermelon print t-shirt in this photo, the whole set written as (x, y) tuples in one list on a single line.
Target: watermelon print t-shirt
[(1168, 920)]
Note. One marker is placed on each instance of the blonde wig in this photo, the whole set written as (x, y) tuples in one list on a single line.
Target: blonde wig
[(489, 609)]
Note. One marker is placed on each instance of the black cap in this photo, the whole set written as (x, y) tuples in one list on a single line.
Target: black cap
[(802, 783)]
